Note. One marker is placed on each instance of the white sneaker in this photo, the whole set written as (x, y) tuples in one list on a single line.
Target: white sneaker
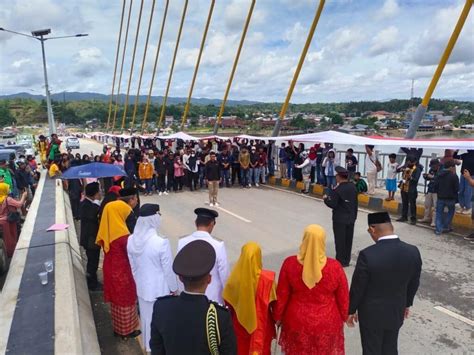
[(250, 185), (211, 205), (166, 192), (217, 204), (468, 212), (256, 184), (161, 193), (458, 208)]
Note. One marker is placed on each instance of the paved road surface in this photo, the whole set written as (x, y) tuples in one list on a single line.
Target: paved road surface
[(276, 219)]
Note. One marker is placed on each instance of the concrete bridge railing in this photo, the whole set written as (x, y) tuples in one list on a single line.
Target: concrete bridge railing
[(56, 317)]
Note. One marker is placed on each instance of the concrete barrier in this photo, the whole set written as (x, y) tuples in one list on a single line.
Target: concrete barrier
[(371, 202), (52, 318)]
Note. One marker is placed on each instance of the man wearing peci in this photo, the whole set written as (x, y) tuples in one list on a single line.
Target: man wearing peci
[(384, 284)]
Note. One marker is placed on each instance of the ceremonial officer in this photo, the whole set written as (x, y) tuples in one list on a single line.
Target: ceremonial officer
[(344, 204), (205, 222), (384, 284), (190, 323)]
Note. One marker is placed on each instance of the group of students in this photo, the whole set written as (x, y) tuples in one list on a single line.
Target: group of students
[(196, 305)]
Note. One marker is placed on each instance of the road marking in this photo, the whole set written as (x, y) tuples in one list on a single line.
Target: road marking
[(454, 315), (234, 215)]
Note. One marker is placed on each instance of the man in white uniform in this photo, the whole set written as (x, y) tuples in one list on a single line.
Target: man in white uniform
[(151, 262), (205, 222)]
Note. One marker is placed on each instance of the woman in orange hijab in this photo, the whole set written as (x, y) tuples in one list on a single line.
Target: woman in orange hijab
[(119, 285), (250, 293), (313, 299)]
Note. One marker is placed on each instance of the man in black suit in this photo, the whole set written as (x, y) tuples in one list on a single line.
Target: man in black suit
[(344, 204), (190, 323), (89, 215), (384, 284)]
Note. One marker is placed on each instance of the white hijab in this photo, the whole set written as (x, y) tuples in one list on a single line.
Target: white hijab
[(145, 228)]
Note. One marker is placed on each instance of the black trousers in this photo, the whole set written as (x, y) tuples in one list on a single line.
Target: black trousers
[(409, 201), (193, 180), (343, 236), (379, 341), (93, 256), (75, 206), (161, 184), (235, 173), (169, 181)]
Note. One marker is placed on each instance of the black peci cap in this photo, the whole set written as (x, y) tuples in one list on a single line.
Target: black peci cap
[(128, 192), (206, 212), (341, 170), (149, 209), (378, 218), (195, 260)]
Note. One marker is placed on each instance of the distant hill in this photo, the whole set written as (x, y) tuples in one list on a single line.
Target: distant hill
[(88, 96)]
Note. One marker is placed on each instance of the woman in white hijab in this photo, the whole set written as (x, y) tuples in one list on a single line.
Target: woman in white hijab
[(151, 262)]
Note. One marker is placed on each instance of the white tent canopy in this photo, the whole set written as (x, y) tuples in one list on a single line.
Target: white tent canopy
[(330, 137)]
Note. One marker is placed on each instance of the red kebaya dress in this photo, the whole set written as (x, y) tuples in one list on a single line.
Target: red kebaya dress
[(119, 287), (260, 341), (312, 319)]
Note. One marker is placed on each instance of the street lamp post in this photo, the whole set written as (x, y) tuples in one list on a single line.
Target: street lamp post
[(39, 35)]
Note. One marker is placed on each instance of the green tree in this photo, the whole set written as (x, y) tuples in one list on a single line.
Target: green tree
[(6, 117)]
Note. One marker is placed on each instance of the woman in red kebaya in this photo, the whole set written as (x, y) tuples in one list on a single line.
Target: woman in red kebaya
[(312, 299)]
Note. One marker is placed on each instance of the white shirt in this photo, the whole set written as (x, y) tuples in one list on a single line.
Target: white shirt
[(220, 271), (152, 269), (392, 236), (392, 170), (370, 166)]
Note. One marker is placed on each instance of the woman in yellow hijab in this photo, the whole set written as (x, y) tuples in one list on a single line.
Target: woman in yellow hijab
[(313, 299), (119, 285), (249, 293)]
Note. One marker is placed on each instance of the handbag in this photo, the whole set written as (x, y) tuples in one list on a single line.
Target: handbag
[(377, 164), (12, 216)]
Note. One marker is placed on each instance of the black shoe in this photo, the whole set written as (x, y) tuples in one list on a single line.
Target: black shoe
[(133, 334), (469, 238), (402, 219), (413, 222)]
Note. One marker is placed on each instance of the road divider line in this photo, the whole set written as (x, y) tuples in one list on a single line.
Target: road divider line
[(454, 315), (234, 215)]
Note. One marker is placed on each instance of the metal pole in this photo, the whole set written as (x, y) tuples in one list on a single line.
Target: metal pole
[(150, 91), (236, 61), (143, 66), (51, 123), (165, 98), (132, 65), (276, 129), (121, 66), (116, 63), (196, 69), (421, 109)]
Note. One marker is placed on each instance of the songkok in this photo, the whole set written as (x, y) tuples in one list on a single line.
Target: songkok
[(378, 218), (128, 192), (195, 260), (149, 209), (206, 212), (92, 188)]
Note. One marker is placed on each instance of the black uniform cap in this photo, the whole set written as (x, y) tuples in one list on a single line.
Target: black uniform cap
[(149, 209), (128, 192), (92, 188), (206, 212), (195, 260), (378, 218)]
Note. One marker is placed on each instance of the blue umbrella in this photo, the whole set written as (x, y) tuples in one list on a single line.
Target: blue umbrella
[(93, 170)]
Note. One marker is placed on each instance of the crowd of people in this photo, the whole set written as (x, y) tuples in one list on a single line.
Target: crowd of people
[(197, 304)]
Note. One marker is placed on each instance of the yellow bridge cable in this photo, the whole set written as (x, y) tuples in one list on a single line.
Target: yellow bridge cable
[(284, 108), (116, 63), (234, 67), (132, 65), (165, 98), (121, 66), (150, 91), (198, 62), (137, 97)]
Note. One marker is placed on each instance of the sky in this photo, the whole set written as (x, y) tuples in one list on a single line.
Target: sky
[(362, 49)]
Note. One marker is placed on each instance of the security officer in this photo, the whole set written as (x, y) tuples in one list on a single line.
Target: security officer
[(343, 202), (190, 323), (205, 222)]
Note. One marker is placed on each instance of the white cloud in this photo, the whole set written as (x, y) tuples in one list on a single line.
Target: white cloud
[(89, 62), (385, 41), (389, 9)]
